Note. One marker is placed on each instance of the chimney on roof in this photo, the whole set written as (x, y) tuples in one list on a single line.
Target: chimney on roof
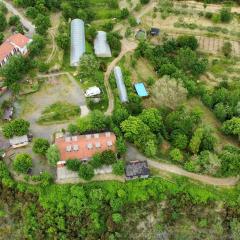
[(96, 135), (74, 138), (69, 148), (107, 134), (89, 146), (75, 147), (89, 136), (67, 139), (98, 144)]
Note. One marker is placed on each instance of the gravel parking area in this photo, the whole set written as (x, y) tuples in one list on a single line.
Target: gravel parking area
[(57, 88)]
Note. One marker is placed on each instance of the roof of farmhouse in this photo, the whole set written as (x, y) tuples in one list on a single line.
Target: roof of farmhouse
[(16, 40), (83, 147)]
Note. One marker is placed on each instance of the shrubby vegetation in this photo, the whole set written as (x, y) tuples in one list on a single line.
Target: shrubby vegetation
[(40, 146), (59, 111), (95, 121), (22, 163), (86, 170), (53, 155), (176, 58), (104, 209), (17, 127), (224, 101)]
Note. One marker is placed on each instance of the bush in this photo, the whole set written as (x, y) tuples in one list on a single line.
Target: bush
[(208, 15), (108, 157), (225, 15), (117, 218), (40, 146), (176, 155), (119, 167), (17, 127), (73, 164), (86, 171), (132, 21), (53, 155), (187, 41), (14, 20), (227, 49), (22, 163), (96, 161)]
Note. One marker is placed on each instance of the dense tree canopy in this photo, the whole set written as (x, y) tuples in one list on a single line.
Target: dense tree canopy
[(22, 163), (40, 146), (53, 155), (17, 127)]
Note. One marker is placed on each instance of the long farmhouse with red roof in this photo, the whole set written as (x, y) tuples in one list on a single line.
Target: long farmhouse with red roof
[(15, 44), (83, 147)]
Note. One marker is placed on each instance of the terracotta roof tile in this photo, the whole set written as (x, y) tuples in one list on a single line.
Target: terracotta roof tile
[(19, 39), (83, 147), (16, 39), (5, 50)]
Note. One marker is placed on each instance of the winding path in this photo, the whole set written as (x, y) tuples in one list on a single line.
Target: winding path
[(134, 154), (54, 46), (127, 46)]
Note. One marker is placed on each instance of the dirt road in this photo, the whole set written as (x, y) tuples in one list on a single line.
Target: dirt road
[(146, 9), (25, 22), (127, 46), (134, 154)]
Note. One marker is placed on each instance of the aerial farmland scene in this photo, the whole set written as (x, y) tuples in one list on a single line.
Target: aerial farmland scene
[(119, 120)]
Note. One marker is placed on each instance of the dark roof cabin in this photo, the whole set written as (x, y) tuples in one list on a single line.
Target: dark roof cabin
[(137, 169), (155, 31)]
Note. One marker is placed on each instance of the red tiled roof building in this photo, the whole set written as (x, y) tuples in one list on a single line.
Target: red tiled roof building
[(15, 44), (83, 147)]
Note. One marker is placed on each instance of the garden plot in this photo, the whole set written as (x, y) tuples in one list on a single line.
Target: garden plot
[(214, 45), (211, 36)]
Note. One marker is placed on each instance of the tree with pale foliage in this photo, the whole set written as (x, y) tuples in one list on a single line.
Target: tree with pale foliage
[(176, 155), (88, 66), (232, 126), (53, 155)]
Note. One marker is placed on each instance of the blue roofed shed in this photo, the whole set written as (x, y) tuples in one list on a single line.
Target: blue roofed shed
[(141, 90)]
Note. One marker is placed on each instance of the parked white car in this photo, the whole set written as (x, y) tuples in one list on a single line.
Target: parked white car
[(92, 91)]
